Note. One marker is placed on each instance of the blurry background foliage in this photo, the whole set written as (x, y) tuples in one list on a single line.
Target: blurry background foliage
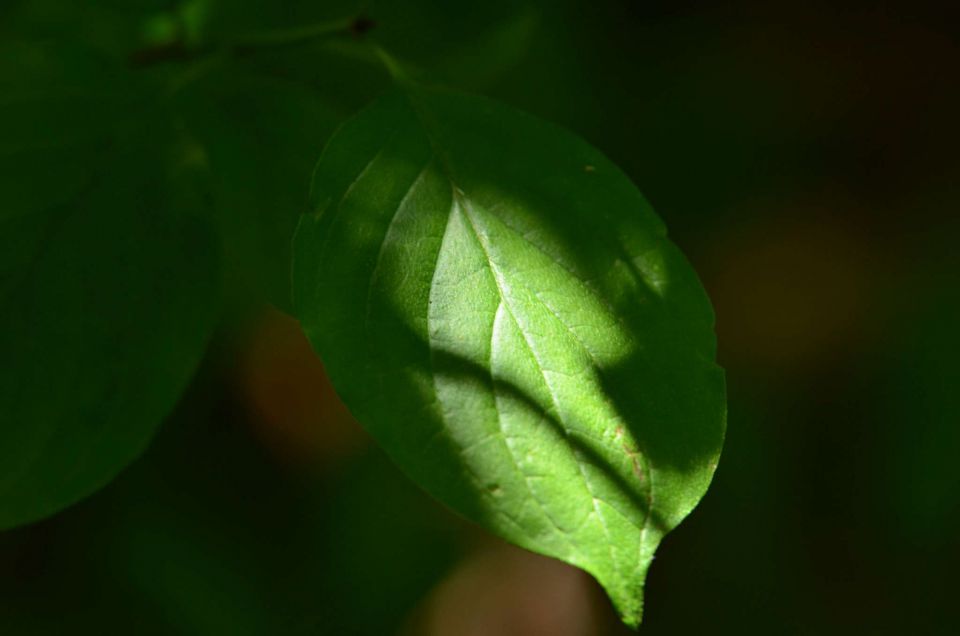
[(803, 155)]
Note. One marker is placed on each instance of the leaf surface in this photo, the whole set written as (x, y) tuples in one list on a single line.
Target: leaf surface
[(108, 285), (500, 307), (260, 137)]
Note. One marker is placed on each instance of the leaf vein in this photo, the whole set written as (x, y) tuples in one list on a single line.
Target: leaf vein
[(500, 282)]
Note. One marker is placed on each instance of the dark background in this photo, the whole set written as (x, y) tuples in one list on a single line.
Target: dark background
[(803, 155)]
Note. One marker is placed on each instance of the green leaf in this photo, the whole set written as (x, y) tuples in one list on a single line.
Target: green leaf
[(106, 304), (59, 105), (230, 19), (480, 62), (108, 283), (500, 307), (470, 45), (260, 136), (111, 26)]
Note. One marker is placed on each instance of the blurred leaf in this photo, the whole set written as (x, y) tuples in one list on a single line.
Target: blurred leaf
[(345, 71), (261, 137), (59, 107), (395, 568), (207, 534), (111, 26), (201, 582), (500, 307), (106, 302), (921, 408), (107, 280), (219, 20), (466, 46), (426, 32), (488, 54)]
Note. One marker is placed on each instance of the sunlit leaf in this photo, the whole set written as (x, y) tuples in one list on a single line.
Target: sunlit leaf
[(500, 307)]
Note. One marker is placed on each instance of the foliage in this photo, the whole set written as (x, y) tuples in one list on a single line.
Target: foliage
[(494, 300)]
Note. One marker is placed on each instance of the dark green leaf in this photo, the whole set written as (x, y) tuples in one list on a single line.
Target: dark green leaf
[(224, 20), (111, 26), (500, 307), (108, 282), (59, 105), (467, 43), (261, 137), (106, 303)]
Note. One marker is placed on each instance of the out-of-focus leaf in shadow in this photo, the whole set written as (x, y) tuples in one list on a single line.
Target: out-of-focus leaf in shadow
[(211, 533), (491, 53), (261, 137), (920, 409), (111, 26), (385, 553), (468, 44), (108, 280), (105, 314), (62, 107), (224, 20)]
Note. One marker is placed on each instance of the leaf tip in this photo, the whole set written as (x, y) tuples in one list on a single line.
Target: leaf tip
[(630, 611)]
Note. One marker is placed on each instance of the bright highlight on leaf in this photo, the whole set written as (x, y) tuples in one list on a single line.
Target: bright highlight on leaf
[(500, 307)]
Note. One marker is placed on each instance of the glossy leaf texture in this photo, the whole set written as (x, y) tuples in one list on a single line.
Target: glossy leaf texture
[(108, 283), (500, 307)]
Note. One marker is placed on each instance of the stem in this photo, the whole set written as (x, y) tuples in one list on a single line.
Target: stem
[(396, 70), (287, 37), (177, 51)]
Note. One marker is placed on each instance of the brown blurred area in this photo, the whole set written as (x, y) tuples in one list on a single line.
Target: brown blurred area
[(292, 406), (504, 590)]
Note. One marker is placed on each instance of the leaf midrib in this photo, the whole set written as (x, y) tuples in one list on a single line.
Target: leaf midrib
[(460, 201), (505, 302), (461, 198)]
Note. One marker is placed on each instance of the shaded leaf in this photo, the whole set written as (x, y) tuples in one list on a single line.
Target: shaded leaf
[(104, 313), (112, 26), (260, 136), (500, 307), (59, 107), (108, 283)]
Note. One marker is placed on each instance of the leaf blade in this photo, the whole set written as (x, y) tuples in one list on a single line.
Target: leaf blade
[(258, 136), (101, 329), (108, 284), (505, 311)]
